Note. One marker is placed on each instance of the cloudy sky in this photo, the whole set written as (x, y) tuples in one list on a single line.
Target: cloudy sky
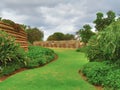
[(51, 16)]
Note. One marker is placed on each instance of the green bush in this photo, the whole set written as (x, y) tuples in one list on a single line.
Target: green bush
[(112, 79), (103, 73), (96, 72), (10, 68), (105, 45), (10, 53), (39, 56)]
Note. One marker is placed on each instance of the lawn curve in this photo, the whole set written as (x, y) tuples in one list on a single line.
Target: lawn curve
[(61, 74)]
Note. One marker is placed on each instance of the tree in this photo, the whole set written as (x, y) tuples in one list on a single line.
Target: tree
[(85, 33), (0, 18), (69, 36), (34, 34), (23, 26), (57, 36), (101, 23), (110, 17)]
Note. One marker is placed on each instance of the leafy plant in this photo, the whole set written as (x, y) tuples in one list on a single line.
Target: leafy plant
[(105, 45), (10, 68), (112, 79), (96, 72), (103, 73), (10, 53), (39, 56)]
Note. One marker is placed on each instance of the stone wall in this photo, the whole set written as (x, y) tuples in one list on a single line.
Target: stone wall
[(20, 36), (60, 44)]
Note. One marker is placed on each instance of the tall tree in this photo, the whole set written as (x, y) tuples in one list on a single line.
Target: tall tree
[(57, 36), (69, 36), (34, 34), (101, 22), (110, 17), (85, 33)]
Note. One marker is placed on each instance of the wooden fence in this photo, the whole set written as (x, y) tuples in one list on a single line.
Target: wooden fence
[(20, 36), (60, 44)]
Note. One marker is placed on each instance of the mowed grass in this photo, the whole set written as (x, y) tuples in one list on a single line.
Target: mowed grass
[(61, 74)]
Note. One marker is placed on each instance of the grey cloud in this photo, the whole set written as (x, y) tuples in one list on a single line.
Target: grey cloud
[(56, 15)]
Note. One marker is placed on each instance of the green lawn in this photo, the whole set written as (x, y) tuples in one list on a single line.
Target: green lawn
[(58, 75)]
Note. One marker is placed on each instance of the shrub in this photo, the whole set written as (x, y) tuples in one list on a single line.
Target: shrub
[(103, 73), (10, 53), (10, 68), (39, 56), (105, 45), (96, 72), (112, 79)]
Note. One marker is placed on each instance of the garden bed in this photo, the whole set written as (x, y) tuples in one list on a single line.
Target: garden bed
[(23, 69)]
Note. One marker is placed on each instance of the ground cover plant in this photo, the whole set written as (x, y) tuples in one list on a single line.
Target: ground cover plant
[(61, 74), (39, 56)]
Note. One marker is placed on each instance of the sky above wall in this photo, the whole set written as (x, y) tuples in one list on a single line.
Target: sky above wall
[(51, 16)]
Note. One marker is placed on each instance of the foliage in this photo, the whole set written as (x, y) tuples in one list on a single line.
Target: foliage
[(39, 56), (85, 33), (23, 26), (8, 49), (96, 72), (34, 34), (68, 36), (112, 79), (101, 22), (10, 53), (57, 36), (102, 73), (106, 45), (82, 49), (7, 21), (10, 68), (17, 27)]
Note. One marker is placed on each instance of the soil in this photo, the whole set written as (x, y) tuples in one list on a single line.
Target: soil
[(23, 69), (85, 78)]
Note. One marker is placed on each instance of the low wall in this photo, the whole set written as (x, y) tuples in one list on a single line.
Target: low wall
[(60, 44), (20, 36)]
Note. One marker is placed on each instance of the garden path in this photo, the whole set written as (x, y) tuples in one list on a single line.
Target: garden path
[(59, 75)]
